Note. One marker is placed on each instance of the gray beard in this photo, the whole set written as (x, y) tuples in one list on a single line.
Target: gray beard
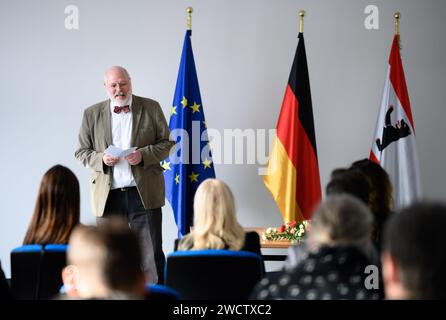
[(120, 103)]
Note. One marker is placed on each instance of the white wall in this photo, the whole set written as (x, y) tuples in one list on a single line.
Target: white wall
[(243, 52)]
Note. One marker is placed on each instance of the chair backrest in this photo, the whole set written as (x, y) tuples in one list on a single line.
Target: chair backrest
[(36, 271), (213, 274), (161, 292)]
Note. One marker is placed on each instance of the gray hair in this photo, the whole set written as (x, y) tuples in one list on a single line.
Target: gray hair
[(342, 220), (122, 69)]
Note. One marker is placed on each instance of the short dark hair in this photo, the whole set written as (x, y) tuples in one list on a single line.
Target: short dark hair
[(414, 238), (113, 248), (349, 181), (122, 267)]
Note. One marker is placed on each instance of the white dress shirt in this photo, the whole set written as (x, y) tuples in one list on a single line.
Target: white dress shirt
[(121, 124)]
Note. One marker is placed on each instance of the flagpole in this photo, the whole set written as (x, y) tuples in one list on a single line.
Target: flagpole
[(189, 11), (397, 17), (301, 21)]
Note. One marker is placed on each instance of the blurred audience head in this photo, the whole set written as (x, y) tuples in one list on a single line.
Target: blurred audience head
[(414, 256), (57, 211), (349, 181), (380, 185), (341, 220), (105, 262), (215, 221), (380, 200)]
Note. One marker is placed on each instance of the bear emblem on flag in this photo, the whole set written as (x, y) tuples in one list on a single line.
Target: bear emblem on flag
[(392, 133)]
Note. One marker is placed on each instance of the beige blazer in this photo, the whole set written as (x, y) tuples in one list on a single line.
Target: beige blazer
[(150, 134)]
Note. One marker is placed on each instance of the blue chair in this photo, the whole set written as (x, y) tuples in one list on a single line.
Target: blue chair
[(213, 274), (161, 292), (36, 271)]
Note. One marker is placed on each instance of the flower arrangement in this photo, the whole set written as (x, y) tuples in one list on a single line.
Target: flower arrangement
[(292, 231)]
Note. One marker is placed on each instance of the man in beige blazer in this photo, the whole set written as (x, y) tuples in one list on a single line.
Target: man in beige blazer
[(131, 186)]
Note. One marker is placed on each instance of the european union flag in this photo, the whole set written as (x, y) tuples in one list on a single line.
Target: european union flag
[(190, 162)]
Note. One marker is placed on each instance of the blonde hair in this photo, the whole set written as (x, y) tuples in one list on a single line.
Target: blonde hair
[(215, 221)]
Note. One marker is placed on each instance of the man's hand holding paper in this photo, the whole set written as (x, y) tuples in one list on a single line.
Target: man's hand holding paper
[(112, 155)]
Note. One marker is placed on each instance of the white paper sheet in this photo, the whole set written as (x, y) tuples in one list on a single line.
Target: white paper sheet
[(117, 152)]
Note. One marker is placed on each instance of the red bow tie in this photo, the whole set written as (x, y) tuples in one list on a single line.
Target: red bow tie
[(123, 108)]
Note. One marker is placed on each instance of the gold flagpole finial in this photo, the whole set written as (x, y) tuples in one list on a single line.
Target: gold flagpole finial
[(189, 11), (301, 21), (397, 17)]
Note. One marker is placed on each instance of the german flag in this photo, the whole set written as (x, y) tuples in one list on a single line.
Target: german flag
[(293, 173)]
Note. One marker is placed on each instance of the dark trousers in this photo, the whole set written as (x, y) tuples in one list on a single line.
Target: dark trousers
[(147, 223)]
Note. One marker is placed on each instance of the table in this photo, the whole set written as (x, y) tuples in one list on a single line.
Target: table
[(267, 244)]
